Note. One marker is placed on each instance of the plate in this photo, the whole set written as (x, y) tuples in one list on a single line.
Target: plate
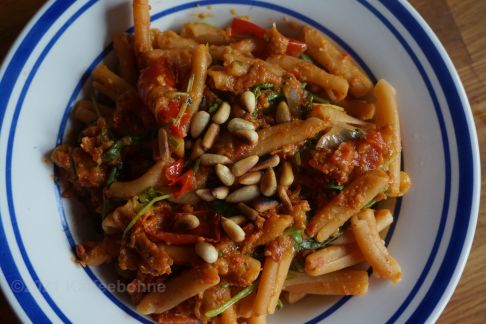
[(46, 72)]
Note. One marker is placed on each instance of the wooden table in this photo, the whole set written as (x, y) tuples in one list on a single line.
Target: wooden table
[(461, 26)]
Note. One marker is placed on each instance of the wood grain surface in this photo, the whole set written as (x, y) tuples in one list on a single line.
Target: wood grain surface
[(461, 27)]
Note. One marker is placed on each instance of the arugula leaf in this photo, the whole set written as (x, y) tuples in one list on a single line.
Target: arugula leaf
[(313, 98), (114, 152), (262, 86), (114, 173), (297, 236), (214, 106), (335, 186), (312, 244), (197, 165), (274, 96), (298, 159), (142, 211), (230, 302), (280, 304), (306, 57), (147, 195), (370, 204)]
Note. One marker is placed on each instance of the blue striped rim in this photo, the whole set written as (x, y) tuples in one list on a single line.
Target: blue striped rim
[(468, 184), (445, 142), (452, 87), (7, 83)]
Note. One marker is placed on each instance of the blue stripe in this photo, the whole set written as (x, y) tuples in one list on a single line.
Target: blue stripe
[(466, 193), (41, 288), (7, 83), (468, 184), (445, 142)]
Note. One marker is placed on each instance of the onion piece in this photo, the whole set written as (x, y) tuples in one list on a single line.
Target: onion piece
[(337, 135)]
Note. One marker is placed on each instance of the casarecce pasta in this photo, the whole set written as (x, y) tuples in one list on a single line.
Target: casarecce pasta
[(237, 167)]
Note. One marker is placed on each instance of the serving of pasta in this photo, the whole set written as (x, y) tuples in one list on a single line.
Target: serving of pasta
[(237, 167)]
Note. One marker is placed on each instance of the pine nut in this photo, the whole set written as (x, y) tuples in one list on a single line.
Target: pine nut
[(282, 115), (286, 174), (205, 194), (224, 174), (268, 184), (187, 222), (248, 211), (239, 220), (250, 136), (197, 149), (233, 230), (270, 162), (199, 123), (213, 159), (249, 101), (242, 194), (284, 197), (210, 136), (222, 114), (243, 165), (250, 178), (206, 251), (220, 192), (239, 124), (263, 204)]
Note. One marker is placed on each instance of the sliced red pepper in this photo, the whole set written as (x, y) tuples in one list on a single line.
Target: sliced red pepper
[(208, 230), (173, 171), (170, 112), (184, 183), (180, 130), (245, 27), (295, 47)]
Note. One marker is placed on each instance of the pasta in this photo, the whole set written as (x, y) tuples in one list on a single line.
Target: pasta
[(233, 169)]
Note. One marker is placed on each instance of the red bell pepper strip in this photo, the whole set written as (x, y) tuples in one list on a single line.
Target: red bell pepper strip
[(184, 183), (173, 171), (295, 47), (245, 27)]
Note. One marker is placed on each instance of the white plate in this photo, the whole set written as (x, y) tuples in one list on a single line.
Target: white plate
[(46, 71)]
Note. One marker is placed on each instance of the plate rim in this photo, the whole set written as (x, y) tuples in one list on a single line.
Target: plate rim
[(466, 110)]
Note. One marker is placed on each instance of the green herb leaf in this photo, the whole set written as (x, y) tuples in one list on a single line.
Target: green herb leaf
[(280, 304), (313, 98), (230, 302), (297, 236), (114, 152), (261, 86), (275, 96), (224, 284), (298, 159), (335, 186), (306, 57), (312, 244), (370, 203), (186, 103), (142, 211), (214, 106), (147, 195), (197, 165), (114, 172)]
